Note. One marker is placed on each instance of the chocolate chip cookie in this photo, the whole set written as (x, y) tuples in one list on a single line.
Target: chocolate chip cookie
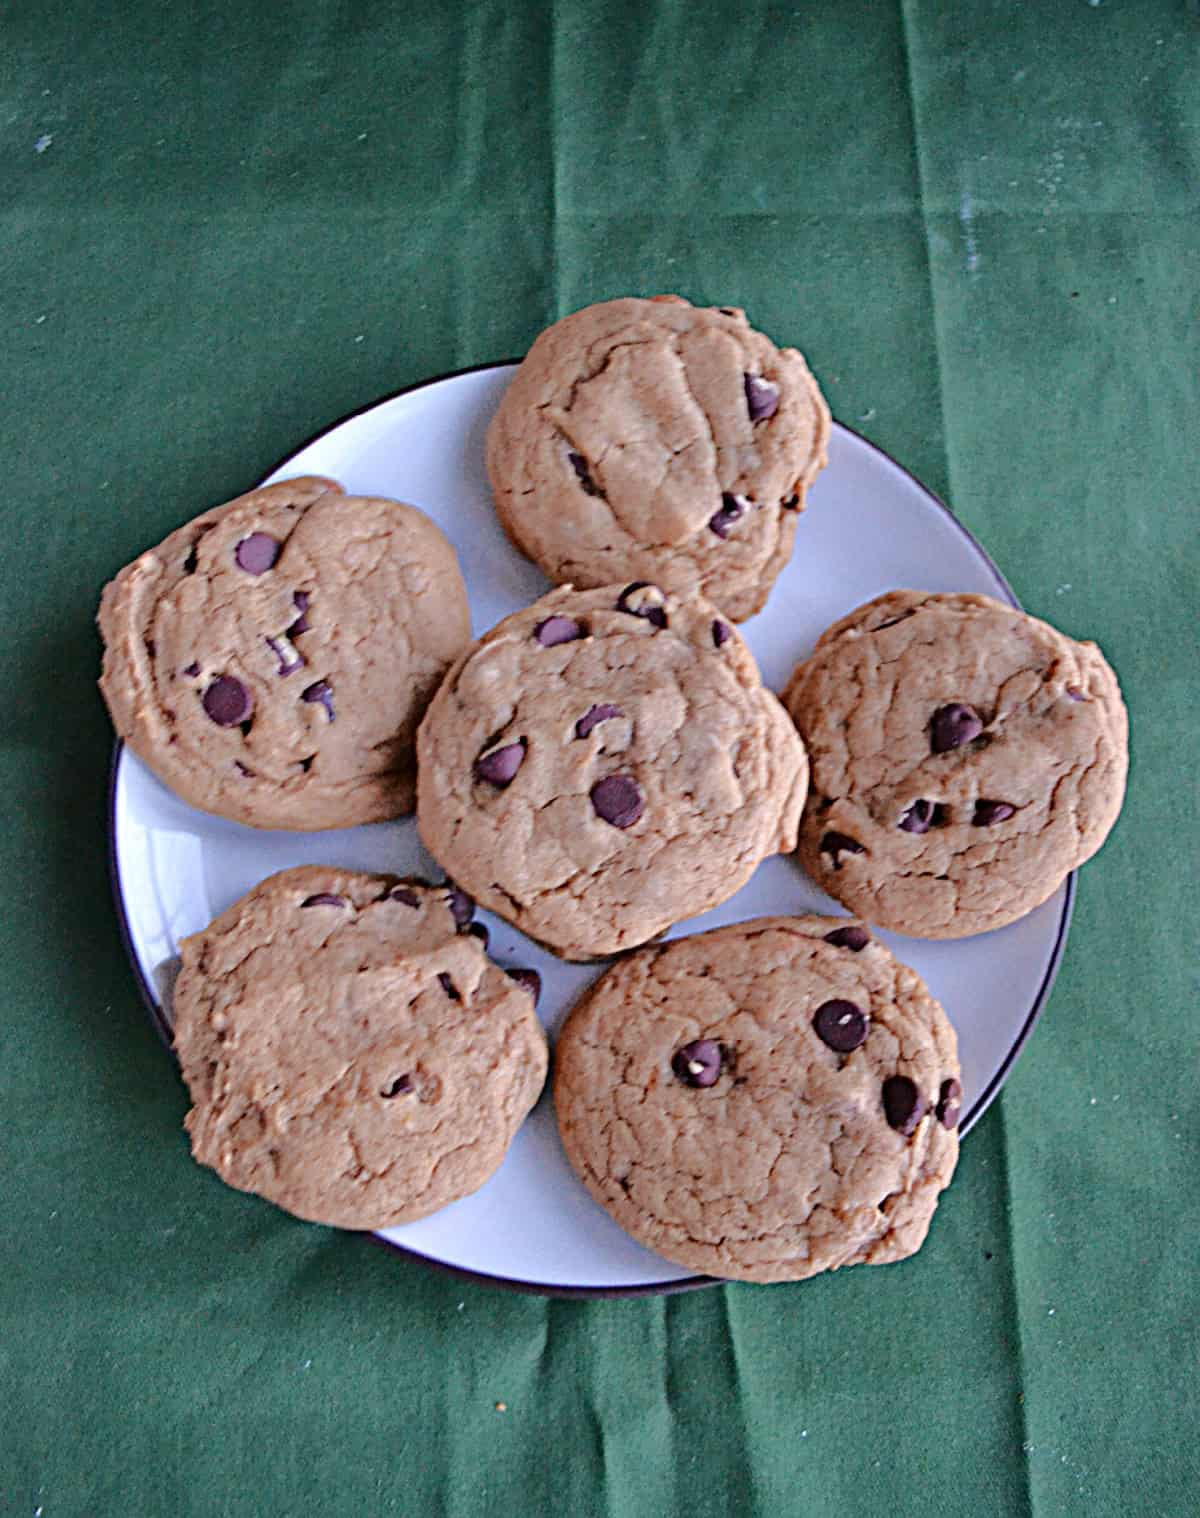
[(965, 758), (270, 660), (655, 440), (764, 1101), (604, 763), (352, 1054)]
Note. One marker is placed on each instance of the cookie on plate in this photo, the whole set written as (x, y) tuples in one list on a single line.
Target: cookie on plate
[(604, 763), (270, 660), (655, 440), (965, 758), (763, 1101), (352, 1055)]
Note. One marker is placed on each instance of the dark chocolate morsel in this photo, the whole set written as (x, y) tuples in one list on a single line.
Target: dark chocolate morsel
[(399, 1087), (762, 397), (529, 979), (290, 659), (840, 1024), (448, 986), (257, 553), (462, 908), (227, 702), (949, 1103), (320, 692), (580, 465), (952, 726), (988, 812), (852, 937), (323, 899), (594, 716), (721, 633), (556, 630), (837, 843), (919, 818), (192, 670), (500, 766), (732, 507), (479, 930), (617, 799), (1074, 694), (644, 600), (792, 503), (409, 898), (698, 1063), (300, 602), (903, 1104)]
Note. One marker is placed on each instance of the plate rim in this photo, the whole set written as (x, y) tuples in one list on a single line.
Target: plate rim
[(538, 1288)]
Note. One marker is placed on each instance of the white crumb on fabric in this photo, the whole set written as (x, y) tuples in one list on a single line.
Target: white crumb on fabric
[(362, 137), (38, 320), (43, 142), (307, 1365), (460, 1307), (867, 415), (1062, 589), (360, 337), (966, 217)]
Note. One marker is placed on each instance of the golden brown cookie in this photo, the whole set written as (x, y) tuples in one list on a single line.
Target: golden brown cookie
[(352, 1054), (271, 659), (655, 440), (763, 1101), (965, 758), (604, 763)]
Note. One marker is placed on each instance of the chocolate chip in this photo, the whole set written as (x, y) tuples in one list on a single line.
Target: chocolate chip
[(399, 1087), (920, 817), (192, 670), (409, 898), (617, 799), (1074, 694), (499, 767), (580, 465), (479, 930), (644, 600), (290, 659), (988, 812), (952, 726), (853, 938), (732, 507), (529, 979), (242, 770), (595, 715), (792, 503), (762, 397), (949, 1104), (462, 908), (257, 553), (306, 763), (698, 1063), (319, 692), (556, 630), (840, 1024), (837, 843), (323, 899), (903, 1104), (721, 633), (227, 702), (189, 564), (300, 625), (449, 987)]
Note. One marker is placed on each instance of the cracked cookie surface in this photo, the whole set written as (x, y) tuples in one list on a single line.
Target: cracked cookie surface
[(764, 1101), (965, 758), (271, 659), (352, 1054), (658, 440), (604, 763)]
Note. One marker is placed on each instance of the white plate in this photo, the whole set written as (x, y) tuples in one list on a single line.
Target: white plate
[(870, 527)]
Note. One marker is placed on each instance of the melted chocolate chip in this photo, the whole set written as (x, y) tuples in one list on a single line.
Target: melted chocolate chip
[(595, 715), (1074, 694), (192, 670), (189, 564), (988, 812), (698, 1063), (257, 553), (762, 397), (530, 980), (556, 630), (920, 817), (617, 799), (401, 1086), (319, 692), (840, 1024), (479, 930), (903, 1104), (580, 465), (499, 767), (644, 600), (449, 987), (835, 844), (952, 726), (408, 897), (227, 702), (300, 625), (792, 503), (323, 899), (854, 938), (289, 658), (949, 1104), (732, 507), (721, 633), (462, 908)]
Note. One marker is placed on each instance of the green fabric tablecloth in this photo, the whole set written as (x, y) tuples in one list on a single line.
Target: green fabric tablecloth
[(223, 226)]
